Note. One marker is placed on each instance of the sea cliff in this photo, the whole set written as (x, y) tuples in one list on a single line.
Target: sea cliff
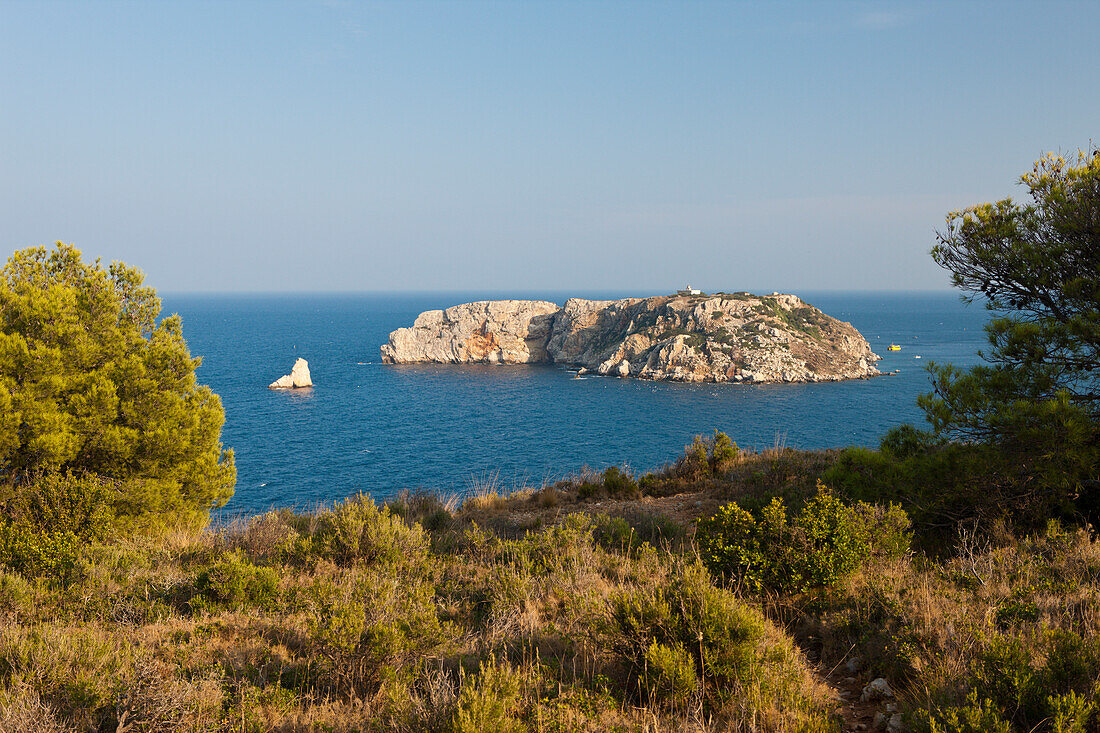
[(728, 337)]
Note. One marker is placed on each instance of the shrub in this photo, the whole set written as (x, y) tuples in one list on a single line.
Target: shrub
[(824, 542), (943, 486), (49, 519), (267, 537), (235, 582), (614, 533), (973, 717), (706, 458), (622, 534), (686, 614), (490, 702), (16, 595), (670, 675), (1013, 612), (79, 671), (620, 484), (63, 502), (694, 464), (358, 530), (906, 440), (723, 453), (1021, 689), (372, 625), (35, 553), (887, 530), (678, 635)]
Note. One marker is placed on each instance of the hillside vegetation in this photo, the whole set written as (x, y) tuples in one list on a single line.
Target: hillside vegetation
[(947, 581), (591, 604)]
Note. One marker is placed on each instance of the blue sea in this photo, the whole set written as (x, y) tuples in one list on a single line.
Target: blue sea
[(379, 428)]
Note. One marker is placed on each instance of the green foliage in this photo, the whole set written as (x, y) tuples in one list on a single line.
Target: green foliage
[(356, 530), (975, 716), (1023, 691), (670, 675), (619, 484), (35, 553), (1038, 268), (614, 533), (1013, 612), (622, 534), (945, 486), (78, 670), (491, 701), (234, 582), (826, 540), (49, 518), (886, 529), (686, 614), (906, 440), (90, 383), (706, 458), (371, 624), (16, 594), (723, 452)]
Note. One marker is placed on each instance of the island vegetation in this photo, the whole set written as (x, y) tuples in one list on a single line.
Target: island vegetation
[(947, 581)]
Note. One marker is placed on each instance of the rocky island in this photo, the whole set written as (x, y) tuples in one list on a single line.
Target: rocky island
[(686, 337), (298, 378)]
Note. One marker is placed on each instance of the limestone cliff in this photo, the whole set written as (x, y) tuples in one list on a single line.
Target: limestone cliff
[(490, 331), (729, 337)]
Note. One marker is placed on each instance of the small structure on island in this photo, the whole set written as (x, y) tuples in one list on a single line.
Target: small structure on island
[(689, 291), (298, 377)]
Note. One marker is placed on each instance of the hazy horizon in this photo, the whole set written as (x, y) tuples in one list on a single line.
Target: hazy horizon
[(617, 292), (307, 147)]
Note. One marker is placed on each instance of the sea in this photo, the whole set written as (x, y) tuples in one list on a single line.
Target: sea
[(380, 429)]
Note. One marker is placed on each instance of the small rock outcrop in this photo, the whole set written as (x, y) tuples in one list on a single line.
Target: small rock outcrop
[(298, 377), (687, 337), (489, 331)]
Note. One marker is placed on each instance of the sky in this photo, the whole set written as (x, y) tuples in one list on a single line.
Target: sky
[(543, 146)]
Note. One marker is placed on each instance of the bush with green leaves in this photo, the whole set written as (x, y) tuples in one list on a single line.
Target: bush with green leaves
[(945, 486), (670, 676), (769, 549), (1051, 683), (234, 582), (49, 518), (369, 624), (678, 638), (706, 457), (619, 484), (491, 701), (358, 530)]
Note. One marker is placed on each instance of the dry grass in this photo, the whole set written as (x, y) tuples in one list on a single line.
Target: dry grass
[(499, 612), (372, 624)]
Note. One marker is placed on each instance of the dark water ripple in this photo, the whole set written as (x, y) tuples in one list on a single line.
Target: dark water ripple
[(378, 429)]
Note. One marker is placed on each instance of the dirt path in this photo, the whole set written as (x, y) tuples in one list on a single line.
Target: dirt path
[(856, 714)]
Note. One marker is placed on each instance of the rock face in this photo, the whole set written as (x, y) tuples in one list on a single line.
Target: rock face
[(489, 331), (729, 337), (298, 377)]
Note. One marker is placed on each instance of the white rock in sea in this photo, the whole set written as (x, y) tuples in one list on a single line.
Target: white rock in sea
[(298, 377)]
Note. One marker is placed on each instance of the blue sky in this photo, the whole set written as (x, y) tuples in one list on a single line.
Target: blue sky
[(315, 146)]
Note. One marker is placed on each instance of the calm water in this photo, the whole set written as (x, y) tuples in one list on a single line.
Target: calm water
[(378, 429)]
